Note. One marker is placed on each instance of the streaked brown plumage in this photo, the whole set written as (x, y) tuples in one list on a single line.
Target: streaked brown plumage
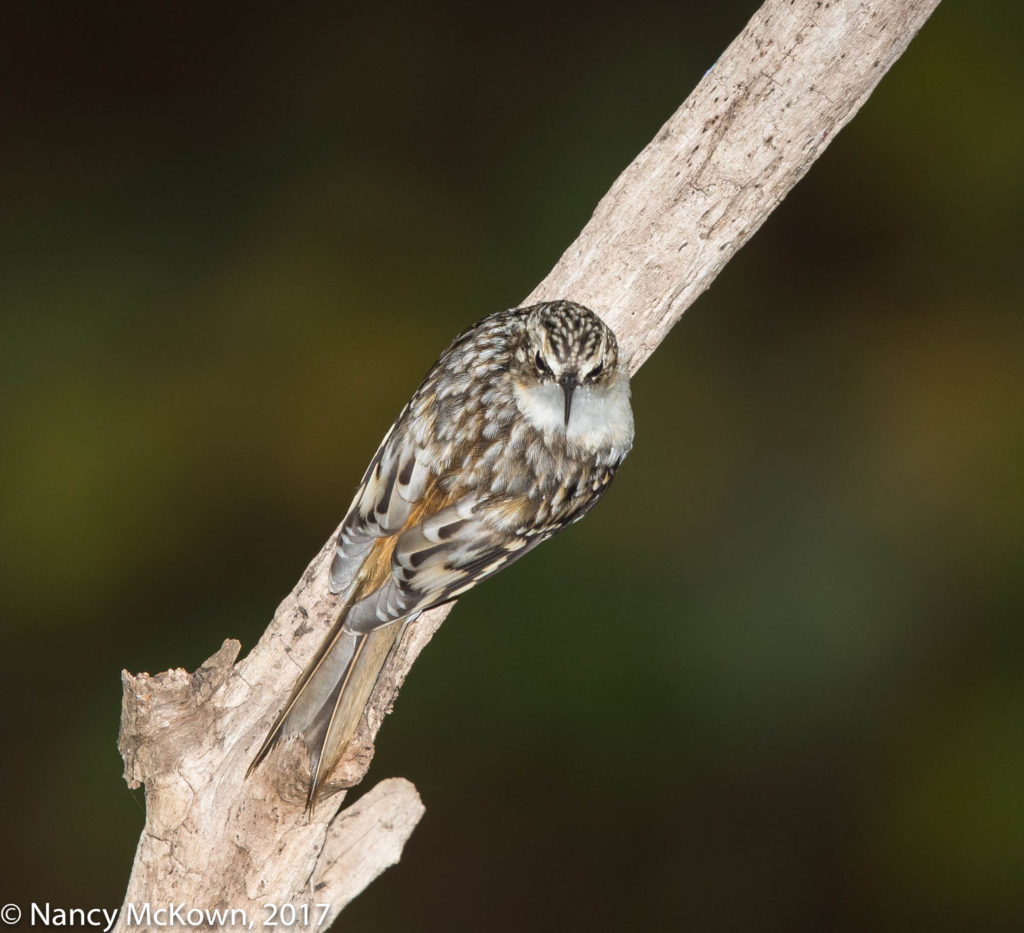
[(515, 433)]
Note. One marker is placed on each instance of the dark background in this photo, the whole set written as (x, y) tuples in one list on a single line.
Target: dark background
[(776, 682)]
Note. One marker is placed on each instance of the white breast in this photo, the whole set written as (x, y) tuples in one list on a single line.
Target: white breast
[(601, 420)]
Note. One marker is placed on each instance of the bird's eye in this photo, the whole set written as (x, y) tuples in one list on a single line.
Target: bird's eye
[(542, 367), (595, 373)]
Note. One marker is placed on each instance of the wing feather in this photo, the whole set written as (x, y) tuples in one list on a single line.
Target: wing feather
[(443, 555), (396, 481)]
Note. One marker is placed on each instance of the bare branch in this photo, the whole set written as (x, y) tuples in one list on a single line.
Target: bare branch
[(754, 125)]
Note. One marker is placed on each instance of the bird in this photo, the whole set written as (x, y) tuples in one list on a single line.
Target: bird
[(514, 434)]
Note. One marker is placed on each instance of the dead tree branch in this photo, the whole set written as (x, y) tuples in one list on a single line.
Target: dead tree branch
[(754, 125)]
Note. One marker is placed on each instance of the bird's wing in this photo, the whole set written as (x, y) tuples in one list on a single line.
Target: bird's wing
[(398, 479), (452, 549), (410, 542)]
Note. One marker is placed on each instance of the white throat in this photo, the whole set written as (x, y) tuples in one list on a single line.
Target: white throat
[(600, 421)]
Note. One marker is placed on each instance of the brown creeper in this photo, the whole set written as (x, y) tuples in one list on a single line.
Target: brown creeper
[(514, 434)]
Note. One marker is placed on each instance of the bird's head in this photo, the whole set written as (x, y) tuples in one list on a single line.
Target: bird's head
[(567, 345)]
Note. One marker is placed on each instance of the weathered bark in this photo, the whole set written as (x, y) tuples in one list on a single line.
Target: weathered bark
[(756, 122)]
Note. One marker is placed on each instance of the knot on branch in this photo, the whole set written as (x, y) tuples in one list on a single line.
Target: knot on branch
[(165, 713)]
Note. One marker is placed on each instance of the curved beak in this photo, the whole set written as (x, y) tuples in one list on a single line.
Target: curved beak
[(568, 384)]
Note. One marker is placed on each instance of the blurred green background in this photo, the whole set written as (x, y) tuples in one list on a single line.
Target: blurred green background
[(776, 682)]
